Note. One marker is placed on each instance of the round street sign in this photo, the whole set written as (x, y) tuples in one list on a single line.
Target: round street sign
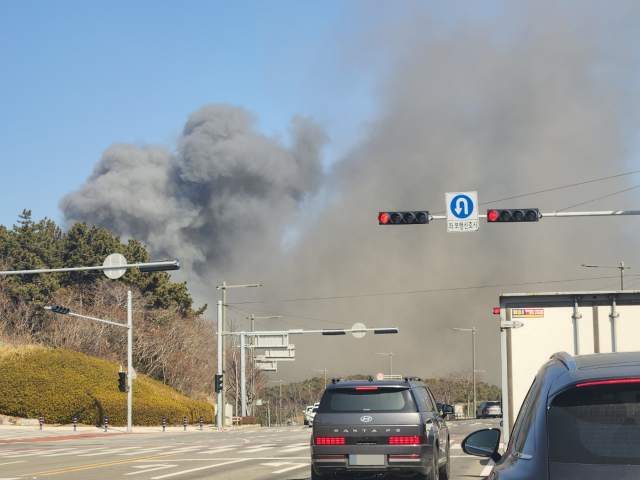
[(115, 260), (380, 376), (359, 330)]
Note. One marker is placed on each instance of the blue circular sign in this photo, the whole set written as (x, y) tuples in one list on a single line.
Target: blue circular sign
[(461, 206)]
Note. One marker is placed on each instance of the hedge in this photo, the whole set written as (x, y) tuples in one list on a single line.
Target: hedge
[(62, 383)]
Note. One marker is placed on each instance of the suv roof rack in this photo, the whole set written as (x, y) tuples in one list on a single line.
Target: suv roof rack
[(412, 379), (565, 358), (338, 380)]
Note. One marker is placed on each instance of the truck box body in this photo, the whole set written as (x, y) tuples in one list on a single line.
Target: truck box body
[(534, 326)]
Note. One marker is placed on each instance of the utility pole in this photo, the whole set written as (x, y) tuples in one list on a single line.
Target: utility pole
[(473, 352), (325, 375), (621, 267), (224, 288), (390, 354)]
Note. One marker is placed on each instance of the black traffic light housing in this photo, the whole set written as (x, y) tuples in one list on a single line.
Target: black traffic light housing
[(513, 215), (218, 383), (122, 381), (403, 218), (59, 309)]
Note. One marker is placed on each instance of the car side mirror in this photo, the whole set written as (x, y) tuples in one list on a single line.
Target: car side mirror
[(483, 443), (447, 409)]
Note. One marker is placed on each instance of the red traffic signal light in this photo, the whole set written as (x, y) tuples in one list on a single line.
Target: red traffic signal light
[(403, 218), (513, 215)]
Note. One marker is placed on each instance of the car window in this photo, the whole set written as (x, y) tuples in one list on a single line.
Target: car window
[(524, 428), (373, 399), (434, 406), (424, 399), (595, 424)]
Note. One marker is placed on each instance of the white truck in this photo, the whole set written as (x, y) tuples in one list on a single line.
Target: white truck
[(534, 326)]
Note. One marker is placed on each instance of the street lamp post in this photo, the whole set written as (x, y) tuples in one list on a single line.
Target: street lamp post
[(224, 288), (473, 351), (115, 266), (621, 267), (390, 354), (325, 375)]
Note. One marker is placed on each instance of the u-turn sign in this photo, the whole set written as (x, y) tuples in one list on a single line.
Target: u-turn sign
[(462, 211)]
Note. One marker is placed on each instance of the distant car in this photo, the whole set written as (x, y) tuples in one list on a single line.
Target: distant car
[(307, 412), (489, 409), (580, 420), (367, 429), (312, 415), (292, 423)]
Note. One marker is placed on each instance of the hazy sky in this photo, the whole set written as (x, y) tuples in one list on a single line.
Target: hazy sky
[(257, 141)]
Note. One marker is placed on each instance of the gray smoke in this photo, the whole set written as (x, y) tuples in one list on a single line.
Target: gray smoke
[(224, 198), (550, 101)]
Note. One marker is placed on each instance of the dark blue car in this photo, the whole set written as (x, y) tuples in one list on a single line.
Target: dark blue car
[(580, 420)]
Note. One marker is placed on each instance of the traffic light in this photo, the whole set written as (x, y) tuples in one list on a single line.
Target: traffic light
[(403, 218), (59, 309), (218, 383), (513, 215), (122, 381)]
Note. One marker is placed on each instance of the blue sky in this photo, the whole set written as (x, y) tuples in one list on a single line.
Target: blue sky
[(80, 76)]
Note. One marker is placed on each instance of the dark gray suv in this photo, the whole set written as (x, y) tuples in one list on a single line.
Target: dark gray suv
[(579, 421), (376, 428)]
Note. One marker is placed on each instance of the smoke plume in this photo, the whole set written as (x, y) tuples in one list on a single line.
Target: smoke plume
[(539, 98)]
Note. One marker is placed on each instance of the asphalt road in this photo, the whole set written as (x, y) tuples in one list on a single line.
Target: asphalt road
[(149, 454)]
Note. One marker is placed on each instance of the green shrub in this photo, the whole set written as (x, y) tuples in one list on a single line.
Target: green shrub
[(62, 383), (249, 420)]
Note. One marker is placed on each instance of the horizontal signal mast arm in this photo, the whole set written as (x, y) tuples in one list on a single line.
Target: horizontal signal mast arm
[(147, 267), (564, 214)]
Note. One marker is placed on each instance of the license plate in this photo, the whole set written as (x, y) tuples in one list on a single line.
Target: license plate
[(369, 460)]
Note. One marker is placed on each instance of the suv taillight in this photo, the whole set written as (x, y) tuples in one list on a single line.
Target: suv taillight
[(403, 440), (329, 440)]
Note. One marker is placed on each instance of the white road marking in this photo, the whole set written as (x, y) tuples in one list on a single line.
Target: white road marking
[(278, 464), (256, 449), (294, 449), (106, 451), (9, 463), (147, 450), (199, 468), (298, 465), (457, 446), (159, 466), (487, 469), (218, 450)]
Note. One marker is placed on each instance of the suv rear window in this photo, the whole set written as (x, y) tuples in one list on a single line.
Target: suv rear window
[(597, 424), (380, 400)]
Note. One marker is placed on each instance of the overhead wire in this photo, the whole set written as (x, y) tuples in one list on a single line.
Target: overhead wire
[(599, 198), (434, 290), (555, 188)]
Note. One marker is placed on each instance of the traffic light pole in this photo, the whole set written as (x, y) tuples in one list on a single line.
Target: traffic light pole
[(220, 351), (129, 327), (129, 361)]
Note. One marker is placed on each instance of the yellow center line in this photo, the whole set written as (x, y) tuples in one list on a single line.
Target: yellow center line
[(98, 465)]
